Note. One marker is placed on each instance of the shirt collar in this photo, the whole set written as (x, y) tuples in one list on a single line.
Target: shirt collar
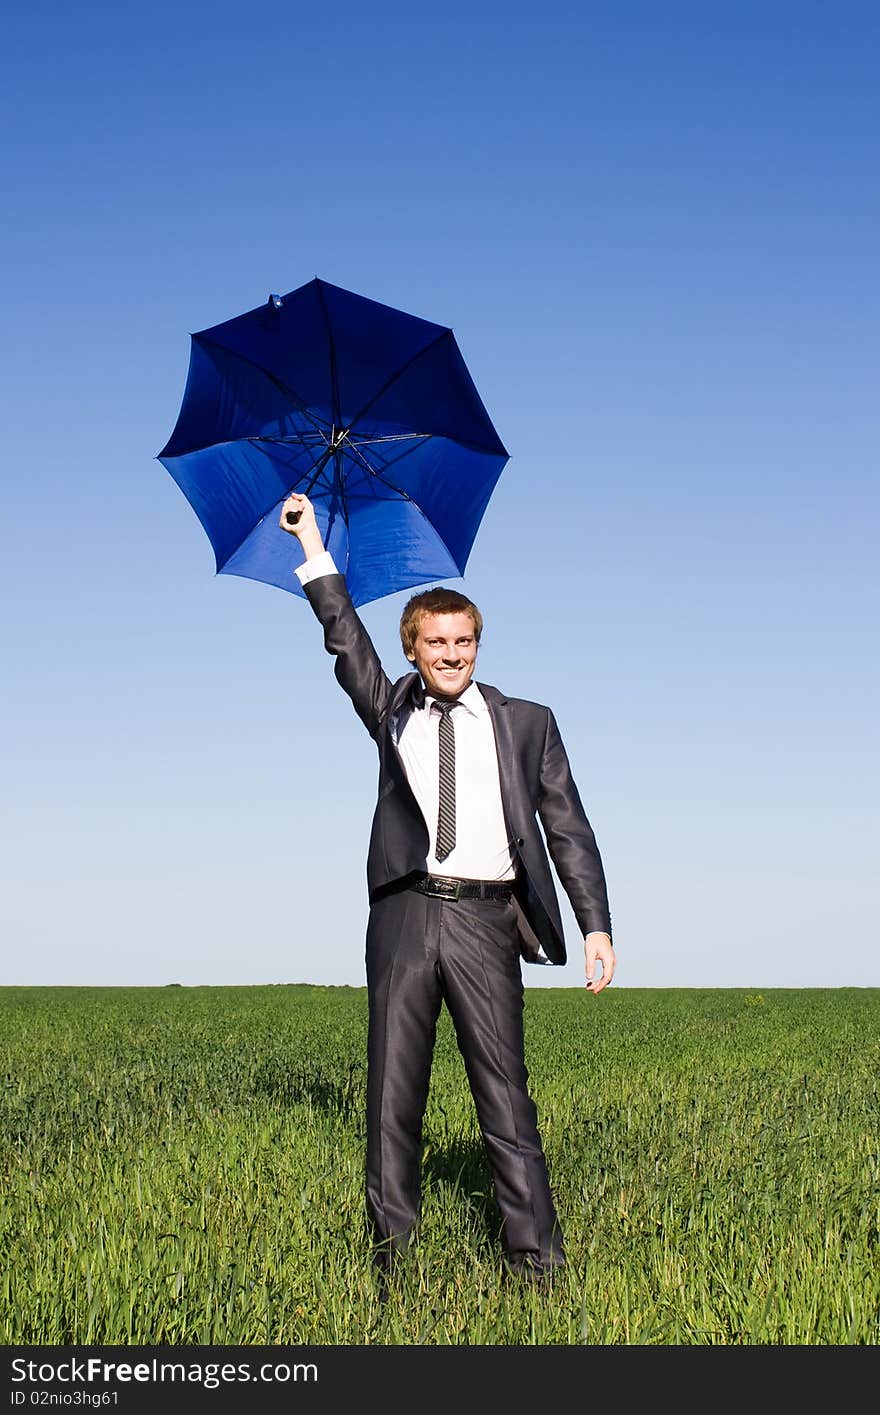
[(471, 698)]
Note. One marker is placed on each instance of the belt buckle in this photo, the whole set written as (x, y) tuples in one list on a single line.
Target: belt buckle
[(445, 888)]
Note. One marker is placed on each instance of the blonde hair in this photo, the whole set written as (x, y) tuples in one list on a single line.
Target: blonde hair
[(436, 601)]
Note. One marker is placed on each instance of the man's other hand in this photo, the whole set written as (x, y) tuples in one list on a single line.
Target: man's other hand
[(597, 948)]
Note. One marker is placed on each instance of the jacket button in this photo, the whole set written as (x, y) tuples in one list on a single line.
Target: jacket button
[(519, 840)]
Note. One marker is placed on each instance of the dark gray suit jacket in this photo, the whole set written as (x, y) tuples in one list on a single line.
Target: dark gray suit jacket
[(536, 781)]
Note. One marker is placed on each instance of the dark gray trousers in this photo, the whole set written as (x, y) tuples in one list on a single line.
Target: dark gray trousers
[(422, 952)]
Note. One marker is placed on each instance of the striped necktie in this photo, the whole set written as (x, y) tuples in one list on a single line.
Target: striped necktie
[(446, 810)]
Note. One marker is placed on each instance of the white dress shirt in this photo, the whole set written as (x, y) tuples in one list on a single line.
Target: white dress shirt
[(482, 847)]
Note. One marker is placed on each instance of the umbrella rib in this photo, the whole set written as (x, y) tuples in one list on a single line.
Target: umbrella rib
[(399, 374), (399, 457), (343, 499), (334, 371), (406, 496), (393, 437), (373, 473), (302, 439), (319, 469), (415, 441), (318, 466), (276, 382), (306, 445)]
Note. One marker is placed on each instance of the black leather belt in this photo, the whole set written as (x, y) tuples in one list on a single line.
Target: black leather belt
[(446, 887)]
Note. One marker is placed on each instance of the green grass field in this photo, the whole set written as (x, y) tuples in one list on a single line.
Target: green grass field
[(184, 1165)]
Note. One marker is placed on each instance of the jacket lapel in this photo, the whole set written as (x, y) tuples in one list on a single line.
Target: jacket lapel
[(407, 692), (501, 713)]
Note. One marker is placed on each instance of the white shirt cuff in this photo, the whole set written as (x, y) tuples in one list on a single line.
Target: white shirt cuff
[(313, 569)]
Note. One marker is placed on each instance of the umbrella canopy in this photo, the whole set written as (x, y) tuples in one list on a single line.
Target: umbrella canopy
[(369, 411)]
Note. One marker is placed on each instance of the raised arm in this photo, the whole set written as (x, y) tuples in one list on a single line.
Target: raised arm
[(357, 666)]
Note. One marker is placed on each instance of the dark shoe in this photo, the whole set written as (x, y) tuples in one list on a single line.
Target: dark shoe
[(528, 1267), (389, 1259)]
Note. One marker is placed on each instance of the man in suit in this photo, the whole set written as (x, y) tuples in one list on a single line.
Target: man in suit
[(460, 890)]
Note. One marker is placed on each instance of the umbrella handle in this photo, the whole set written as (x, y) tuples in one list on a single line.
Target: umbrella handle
[(291, 517)]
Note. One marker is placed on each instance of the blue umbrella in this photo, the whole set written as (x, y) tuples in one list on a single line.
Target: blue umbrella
[(369, 411)]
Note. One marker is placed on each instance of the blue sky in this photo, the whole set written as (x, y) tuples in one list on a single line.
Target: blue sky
[(654, 231)]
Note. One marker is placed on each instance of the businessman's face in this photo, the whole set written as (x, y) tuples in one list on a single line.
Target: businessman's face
[(445, 653)]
